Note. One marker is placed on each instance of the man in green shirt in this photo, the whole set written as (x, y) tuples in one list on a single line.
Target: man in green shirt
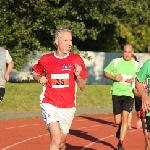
[(143, 75), (122, 75)]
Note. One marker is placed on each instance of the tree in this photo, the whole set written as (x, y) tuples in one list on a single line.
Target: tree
[(111, 24), (97, 25)]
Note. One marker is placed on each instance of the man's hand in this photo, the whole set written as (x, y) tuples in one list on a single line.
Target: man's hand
[(145, 102), (42, 80), (6, 76), (80, 82), (77, 70), (118, 77)]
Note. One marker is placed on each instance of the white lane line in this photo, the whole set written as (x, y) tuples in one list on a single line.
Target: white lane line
[(104, 138), (21, 126), (35, 137), (97, 141)]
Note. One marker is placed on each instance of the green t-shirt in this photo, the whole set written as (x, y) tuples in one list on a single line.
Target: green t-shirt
[(122, 67), (143, 75)]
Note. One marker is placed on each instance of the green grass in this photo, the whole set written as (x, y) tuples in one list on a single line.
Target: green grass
[(23, 97), (94, 96)]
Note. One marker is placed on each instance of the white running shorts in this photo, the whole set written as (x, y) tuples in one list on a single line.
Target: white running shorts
[(64, 116)]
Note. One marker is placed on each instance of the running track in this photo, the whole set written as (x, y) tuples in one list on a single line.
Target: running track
[(88, 132)]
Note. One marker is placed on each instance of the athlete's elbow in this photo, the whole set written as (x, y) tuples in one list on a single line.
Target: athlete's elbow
[(104, 74)]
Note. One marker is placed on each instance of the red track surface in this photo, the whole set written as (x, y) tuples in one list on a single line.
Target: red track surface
[(88, 132)]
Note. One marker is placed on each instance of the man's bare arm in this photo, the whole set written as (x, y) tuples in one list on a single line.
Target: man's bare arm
[(9, 70), (109, 76), (144, 94), (80, 82), (118, 77), (10, 67), (140, 88), (41, 79), (36, 76)]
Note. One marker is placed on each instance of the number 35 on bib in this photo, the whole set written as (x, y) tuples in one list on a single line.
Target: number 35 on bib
[(60, 80)]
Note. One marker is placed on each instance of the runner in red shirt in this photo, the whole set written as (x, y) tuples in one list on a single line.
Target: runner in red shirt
[(64, 71)]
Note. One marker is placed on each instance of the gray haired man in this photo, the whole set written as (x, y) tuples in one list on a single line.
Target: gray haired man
[(58, 99)]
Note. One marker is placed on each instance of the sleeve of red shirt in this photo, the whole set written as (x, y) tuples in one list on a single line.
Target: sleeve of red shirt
[(83, 73), (38, 68)]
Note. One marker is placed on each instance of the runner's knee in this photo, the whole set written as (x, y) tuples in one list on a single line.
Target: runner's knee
[(125, 116)]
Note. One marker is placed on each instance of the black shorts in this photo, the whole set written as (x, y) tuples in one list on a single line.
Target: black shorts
[(121, 103), (138, 103), (2, 92), (148, 123)]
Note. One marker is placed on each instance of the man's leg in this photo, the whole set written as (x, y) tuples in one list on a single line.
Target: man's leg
[(148, 130), (124, 124), (117, 110), (138, 114), (144, 126), (51, 119), (66, 116), (120, 134), (55, 135), (117, 119), (129, 121), (138, 103), (63, 141), (127, 105)]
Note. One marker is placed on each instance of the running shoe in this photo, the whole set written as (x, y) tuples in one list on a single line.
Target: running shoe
[(120, 147)]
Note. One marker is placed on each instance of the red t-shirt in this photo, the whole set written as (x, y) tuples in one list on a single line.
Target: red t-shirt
[(60, 90)]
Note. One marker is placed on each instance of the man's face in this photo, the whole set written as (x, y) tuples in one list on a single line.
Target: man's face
[(127, 53), (64, 42)]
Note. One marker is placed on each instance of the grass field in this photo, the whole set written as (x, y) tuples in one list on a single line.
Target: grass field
[(22, 97)]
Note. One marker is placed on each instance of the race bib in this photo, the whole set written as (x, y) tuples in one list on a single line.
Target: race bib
[(126, 79), (60, 80)]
